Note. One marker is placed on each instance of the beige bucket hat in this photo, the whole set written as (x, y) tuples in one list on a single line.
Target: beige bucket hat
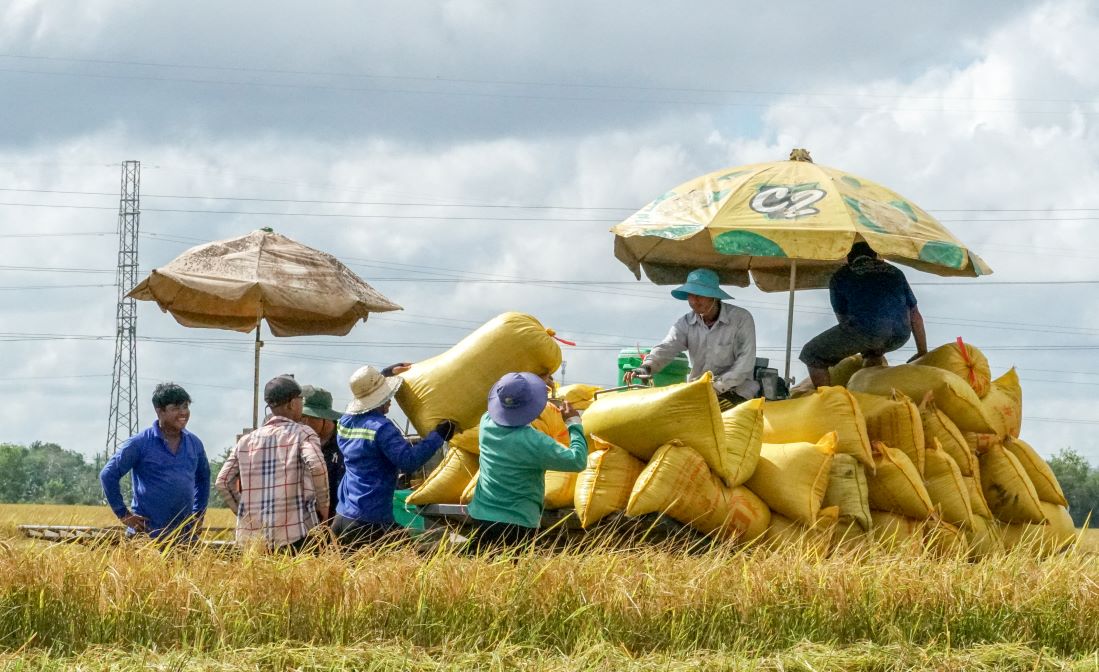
[(371, 389)]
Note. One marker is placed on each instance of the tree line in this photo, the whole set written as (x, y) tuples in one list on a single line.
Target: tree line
[(1080, 481), (46, 473)]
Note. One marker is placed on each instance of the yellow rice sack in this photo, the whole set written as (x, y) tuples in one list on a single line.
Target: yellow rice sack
[(840, 373), (849, 535), (1038, 470), (743, 438), (895, 421), (1044, 539), (945, 540), (947, 488), (678, 483), (814, 540), (455, 384), (445, 484), (467, 440), (471, 489), (897, 533), (963, 360), (748, 517), (896, 486), (549, 422), (1004, 404), (641, 421), (829, 409), (952, 395), (979, 442), (793, 477), (578, 394), (560, 487), (847, 490), (1007, 488), (976, 496), (984, 537), (936, 425), (605, 485)]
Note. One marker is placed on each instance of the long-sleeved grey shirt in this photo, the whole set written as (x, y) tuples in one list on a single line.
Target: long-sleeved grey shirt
[(727, 349)]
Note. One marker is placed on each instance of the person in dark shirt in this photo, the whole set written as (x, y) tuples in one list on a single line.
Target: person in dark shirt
[(171, 475), (876, 310), (318, 414)]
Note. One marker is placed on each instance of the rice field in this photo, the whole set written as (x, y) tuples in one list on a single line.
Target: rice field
[(601, 607)]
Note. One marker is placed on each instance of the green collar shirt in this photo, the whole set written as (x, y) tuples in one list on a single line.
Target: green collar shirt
[(512, 482)]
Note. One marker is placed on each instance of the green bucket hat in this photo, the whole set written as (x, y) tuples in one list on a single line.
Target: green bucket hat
[(318, 403), (702, 282)]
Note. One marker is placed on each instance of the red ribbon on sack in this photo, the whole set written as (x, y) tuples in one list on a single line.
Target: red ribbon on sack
[(968, 362), (554, 336)]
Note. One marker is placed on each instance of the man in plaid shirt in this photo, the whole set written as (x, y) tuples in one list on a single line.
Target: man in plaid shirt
[(275, 477)]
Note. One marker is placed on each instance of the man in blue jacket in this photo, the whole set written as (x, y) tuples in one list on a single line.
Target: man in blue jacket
[(374, 452), (171, 475)]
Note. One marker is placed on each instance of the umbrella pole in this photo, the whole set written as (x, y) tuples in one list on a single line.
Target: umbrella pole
[(255, 390), (789, 316)]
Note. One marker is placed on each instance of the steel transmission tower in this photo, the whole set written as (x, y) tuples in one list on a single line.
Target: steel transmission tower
[(123, 420)]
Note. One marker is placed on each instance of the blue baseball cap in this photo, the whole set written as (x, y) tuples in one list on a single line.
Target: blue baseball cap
[(702, 282)]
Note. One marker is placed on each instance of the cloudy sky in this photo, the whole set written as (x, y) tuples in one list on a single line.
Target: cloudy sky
[(467, 158)]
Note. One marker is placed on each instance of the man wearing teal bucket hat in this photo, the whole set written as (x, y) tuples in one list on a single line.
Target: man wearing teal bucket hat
[(719, 337)]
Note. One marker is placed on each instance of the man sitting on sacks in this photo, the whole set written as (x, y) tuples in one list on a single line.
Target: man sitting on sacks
[(718, 337), (876, 310), (374, 451)]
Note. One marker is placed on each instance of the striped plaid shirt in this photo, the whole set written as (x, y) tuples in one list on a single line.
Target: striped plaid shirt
[(273, 479)]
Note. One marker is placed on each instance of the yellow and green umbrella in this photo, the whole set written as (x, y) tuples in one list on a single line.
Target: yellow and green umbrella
[(789, 224)]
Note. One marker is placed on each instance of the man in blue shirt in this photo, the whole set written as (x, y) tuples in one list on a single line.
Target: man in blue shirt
[(374, 451), (171, 475), (876, 310)]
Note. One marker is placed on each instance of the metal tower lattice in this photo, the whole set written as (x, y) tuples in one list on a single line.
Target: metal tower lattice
[(123, 421)]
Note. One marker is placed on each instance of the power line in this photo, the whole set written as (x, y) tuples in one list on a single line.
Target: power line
[(67, 234), (276, 213), (54, 269), (1073, 421), (328, 201), (320, 215), (22, 288), (407, 344), (512, 82), (495, 82), (536, 97), (422, 204)]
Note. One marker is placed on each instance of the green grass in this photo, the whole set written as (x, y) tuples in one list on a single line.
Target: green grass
[(600, 607)]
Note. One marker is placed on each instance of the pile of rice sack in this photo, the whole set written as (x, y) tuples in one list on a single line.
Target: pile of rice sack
[(918, 456)]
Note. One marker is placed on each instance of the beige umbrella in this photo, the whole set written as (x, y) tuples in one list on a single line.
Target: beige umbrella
[(236, 284)]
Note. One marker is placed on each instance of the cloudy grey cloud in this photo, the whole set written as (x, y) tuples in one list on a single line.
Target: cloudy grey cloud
[(983, 107), (439, 72)]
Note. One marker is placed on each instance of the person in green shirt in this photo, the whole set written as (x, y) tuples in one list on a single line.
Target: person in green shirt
[(507, 502)]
